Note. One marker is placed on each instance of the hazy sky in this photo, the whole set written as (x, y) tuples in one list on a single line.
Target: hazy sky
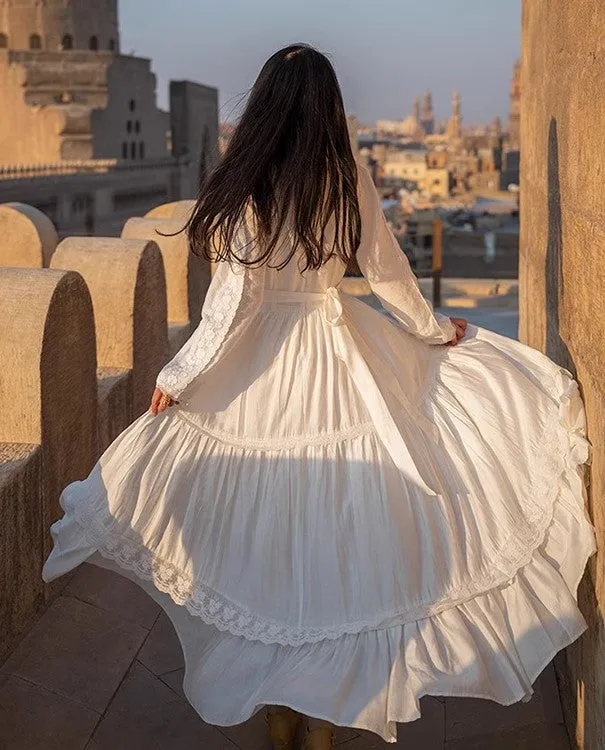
[(384, 52)]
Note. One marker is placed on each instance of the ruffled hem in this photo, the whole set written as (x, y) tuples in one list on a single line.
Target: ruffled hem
[(559, 475), (493, 647)]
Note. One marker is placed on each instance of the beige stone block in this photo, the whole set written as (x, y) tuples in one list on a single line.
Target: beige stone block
[(49, 378), (33, 718), (187, 275), (108, 590), (467, 717), (28, 237), (147, 715), (127, 286), (162, 651), (115, 404), (77, 650), (562, 305), (427, 732), (180, 210), (174, 680), (252, 734), (542, 737), (21, 540)]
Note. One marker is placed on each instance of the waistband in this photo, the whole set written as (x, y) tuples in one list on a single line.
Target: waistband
[(283, 298)]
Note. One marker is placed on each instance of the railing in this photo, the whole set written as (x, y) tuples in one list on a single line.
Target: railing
[(23, 171), (89, 166)]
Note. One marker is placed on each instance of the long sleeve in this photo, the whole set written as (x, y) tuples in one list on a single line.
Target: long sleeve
[(388, 271), (233, 298)]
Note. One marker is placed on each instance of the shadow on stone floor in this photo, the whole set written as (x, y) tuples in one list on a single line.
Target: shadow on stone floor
[(102, 670)]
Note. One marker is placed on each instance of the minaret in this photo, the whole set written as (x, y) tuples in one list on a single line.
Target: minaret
[(416, 110), (60, 25), (428, 117), (454, 128), (515, 108), (495, 133)]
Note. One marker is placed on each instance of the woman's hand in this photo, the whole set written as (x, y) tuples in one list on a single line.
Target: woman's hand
[(461, 325), (160, 402)]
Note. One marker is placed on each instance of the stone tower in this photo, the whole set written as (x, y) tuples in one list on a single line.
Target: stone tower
[(55, 25), (454, 128), (428, 116), (514, 116), (416, 109)]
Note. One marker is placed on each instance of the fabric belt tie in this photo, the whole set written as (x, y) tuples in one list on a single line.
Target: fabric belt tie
[(331, 304)]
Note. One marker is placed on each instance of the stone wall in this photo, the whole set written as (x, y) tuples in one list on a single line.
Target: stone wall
[(69, 105), (96, 202), (53, 20), (562, 275), (194, 125), (84, 334), (131, 126)]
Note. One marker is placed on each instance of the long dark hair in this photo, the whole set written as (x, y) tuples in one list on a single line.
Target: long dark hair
[(289, 157)]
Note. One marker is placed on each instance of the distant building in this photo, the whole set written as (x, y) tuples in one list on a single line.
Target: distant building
[(512, 157), (225, 132), (454, 127), (407, 165), (410, 127), (80, 126), (428, 117), (514, 116)]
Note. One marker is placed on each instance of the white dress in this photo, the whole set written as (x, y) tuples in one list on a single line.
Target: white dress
[(342, 515)]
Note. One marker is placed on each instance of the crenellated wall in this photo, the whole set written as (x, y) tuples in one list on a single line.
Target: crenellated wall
[(84, 333), (562, 276)]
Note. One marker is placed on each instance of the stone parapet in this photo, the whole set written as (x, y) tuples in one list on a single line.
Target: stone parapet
[(126, 283), (28, 237), (562, 277), (187, 276), (47, 426)]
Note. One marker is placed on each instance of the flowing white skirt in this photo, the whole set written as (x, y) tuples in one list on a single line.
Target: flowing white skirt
[(343, 519)]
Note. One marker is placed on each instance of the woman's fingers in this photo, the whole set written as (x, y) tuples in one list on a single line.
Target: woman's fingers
[(157, 404), (460, 325)]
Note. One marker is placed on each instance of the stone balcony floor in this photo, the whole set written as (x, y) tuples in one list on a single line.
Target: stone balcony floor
[(102, 670)]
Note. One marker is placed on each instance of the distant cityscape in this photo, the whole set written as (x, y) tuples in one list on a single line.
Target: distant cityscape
[(83, 141), (466, 177)]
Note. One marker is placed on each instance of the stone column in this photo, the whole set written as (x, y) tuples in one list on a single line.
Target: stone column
[(48, 389), (28, 237), (562, 275), (127, 285)]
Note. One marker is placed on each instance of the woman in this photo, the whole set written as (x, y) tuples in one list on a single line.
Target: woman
[(342, 511)]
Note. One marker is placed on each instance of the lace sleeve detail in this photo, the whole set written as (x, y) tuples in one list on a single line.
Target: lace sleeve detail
[(233, 298), (388, 270)]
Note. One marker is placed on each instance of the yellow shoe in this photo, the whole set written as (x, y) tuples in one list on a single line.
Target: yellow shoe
[(321, 738), (283, 723)]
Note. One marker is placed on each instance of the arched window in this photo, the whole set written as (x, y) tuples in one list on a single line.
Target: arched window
[(132, 105), (67, 42), (93, 43), (3, 41), (35, 41), (124, 150), (112, 45), (129, 126), (133, 150), (141, 150)]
